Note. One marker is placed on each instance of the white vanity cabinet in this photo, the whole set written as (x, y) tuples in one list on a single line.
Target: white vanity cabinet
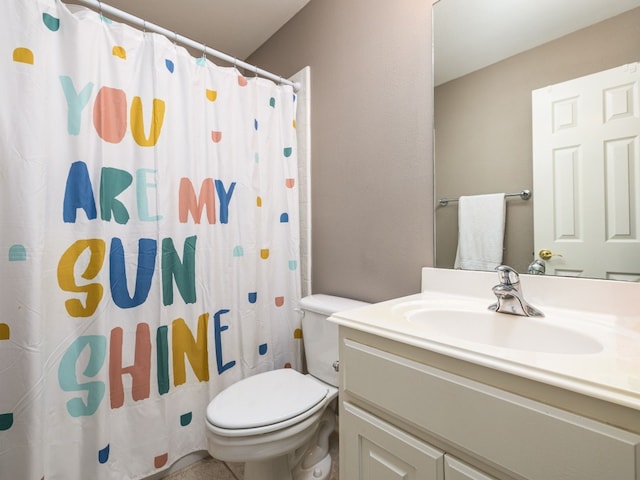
[(406, 413)]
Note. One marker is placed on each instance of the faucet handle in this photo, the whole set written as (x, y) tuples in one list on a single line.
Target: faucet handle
[(507, 275)]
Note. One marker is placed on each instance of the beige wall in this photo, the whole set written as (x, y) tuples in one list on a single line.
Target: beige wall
[(483, 126), (371, 129)]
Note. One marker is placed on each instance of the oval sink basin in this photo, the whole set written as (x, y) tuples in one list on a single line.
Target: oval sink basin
[(505, 331)]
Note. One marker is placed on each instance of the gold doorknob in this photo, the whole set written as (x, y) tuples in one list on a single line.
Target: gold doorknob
[(547, 254)]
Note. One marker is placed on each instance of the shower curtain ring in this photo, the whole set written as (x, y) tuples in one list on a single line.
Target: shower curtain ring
[(256, 71)]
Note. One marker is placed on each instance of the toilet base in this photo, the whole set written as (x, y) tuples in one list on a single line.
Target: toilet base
[(319, 471), (312, 461), (272, 469), (279, 469)]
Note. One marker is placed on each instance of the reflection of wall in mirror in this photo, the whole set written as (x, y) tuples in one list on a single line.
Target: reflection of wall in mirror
[(483, 126)]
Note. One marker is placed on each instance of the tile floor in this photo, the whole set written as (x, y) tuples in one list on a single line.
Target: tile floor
[(211, 469)]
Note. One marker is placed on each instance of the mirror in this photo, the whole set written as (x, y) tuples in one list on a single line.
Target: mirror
[(488, 58)]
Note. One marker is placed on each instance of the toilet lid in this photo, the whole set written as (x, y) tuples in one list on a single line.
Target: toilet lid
[(265, 399)]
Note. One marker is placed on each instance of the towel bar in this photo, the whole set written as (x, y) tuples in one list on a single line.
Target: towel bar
[(524, 195)]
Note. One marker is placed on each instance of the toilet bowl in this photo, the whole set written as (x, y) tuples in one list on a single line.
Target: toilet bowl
[(250, 423), (279, 422)]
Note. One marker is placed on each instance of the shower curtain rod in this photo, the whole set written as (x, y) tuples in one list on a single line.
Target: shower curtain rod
[(139, 22)]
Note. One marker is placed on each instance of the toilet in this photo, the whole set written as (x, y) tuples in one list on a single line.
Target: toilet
[(278, 423)]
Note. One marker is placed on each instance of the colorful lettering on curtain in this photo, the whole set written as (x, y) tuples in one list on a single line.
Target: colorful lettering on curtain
[(149, 242)]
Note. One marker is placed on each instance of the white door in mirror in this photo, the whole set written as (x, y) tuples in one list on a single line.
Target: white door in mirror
[(586, 174)]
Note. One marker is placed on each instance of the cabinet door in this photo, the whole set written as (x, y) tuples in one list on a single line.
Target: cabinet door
[(456, 470), (373, 449)]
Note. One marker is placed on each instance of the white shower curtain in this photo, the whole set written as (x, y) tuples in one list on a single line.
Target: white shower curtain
[(149, 242)]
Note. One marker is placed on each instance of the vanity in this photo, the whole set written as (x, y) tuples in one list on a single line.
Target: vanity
[(436, 386)]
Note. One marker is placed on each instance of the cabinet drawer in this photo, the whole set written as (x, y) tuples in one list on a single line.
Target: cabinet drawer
[(376, 449), (515, 434)]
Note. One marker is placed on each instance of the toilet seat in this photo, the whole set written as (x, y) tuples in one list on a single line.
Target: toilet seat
[(266, 402)]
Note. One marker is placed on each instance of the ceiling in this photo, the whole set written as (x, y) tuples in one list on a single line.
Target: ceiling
[(468, 34), (472, 34), (234, 27)]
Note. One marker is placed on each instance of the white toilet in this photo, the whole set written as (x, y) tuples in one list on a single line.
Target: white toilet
[(278, 422)]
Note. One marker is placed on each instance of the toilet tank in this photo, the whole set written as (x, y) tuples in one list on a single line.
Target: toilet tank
[(320, 336)]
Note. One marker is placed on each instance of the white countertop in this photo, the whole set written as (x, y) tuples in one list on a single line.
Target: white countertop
[(610, 372)]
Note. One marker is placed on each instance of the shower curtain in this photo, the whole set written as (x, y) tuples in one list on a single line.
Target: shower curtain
[(149, 242)]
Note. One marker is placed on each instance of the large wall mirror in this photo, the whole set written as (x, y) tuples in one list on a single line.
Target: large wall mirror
[(490, 55)]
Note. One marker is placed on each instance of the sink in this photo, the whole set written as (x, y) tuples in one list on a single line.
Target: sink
[(503, 330)]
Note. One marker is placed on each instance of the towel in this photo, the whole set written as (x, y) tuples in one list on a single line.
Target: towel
[(480, 231)]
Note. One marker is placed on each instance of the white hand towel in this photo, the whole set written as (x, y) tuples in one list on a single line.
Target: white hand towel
[(481, 221)]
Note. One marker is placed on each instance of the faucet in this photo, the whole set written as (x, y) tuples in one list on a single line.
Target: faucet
[(537, 267), (509, 295)]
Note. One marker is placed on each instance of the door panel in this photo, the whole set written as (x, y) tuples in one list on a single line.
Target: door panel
[(586, 174)]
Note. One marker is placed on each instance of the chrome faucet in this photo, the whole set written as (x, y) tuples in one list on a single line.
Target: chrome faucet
[(509, 295), (537, 267)]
